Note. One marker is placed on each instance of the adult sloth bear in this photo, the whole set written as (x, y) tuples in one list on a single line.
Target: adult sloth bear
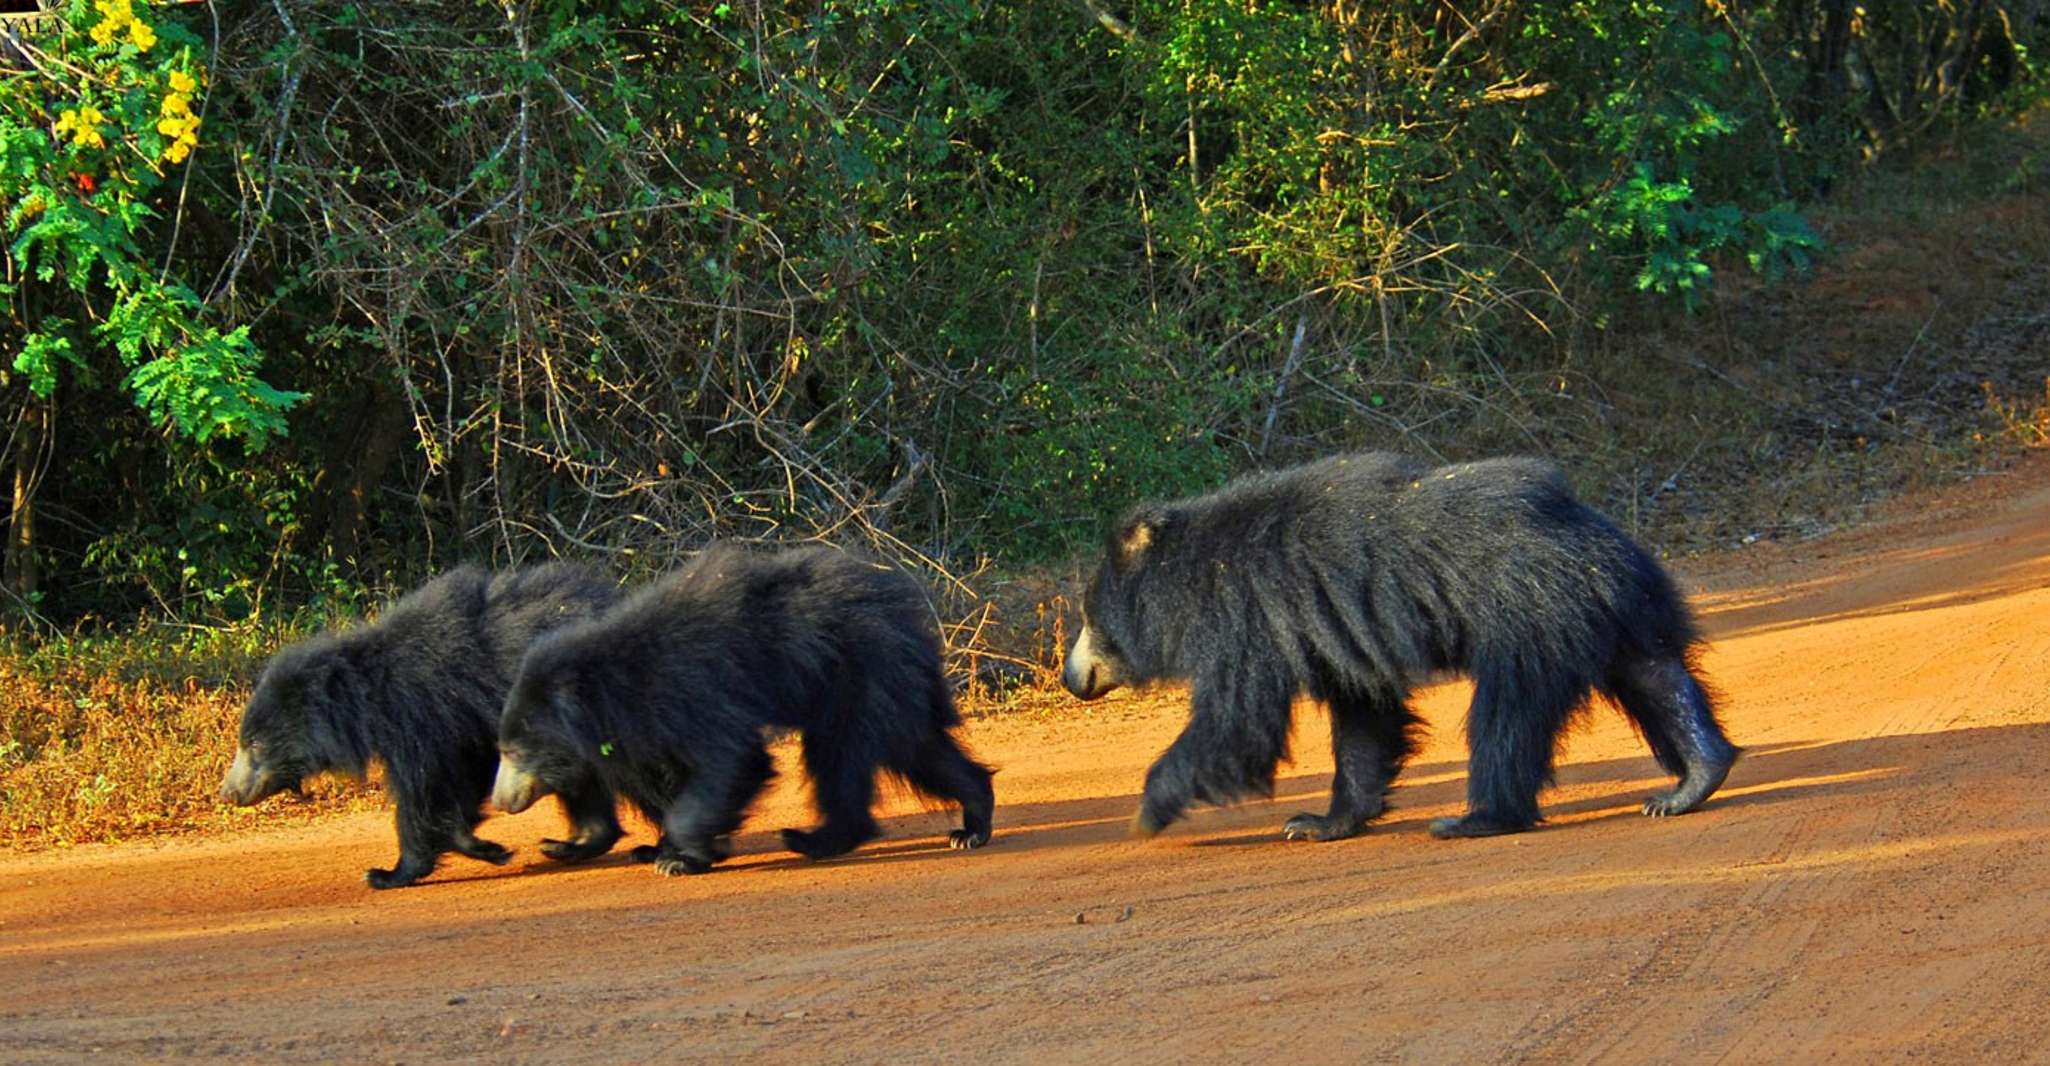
[(420, 690), (1356, 578), (669, 697)]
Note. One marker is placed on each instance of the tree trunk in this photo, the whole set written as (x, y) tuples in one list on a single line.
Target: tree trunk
[(1828, 58), (387, 420), (31, 437)]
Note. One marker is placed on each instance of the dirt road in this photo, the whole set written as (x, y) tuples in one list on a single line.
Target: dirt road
[(1873, 881)]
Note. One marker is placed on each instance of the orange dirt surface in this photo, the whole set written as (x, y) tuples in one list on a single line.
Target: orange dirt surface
[(1873, 882)]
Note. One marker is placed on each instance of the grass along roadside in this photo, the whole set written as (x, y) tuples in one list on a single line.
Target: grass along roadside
[(126, 736)]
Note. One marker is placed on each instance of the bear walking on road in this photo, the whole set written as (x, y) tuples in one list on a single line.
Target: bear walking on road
[(420, 690), (669, 698), (1356, 578)]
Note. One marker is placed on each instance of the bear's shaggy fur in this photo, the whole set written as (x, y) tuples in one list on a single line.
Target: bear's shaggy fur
[(420, 690), (670, 697), (1356, 578)]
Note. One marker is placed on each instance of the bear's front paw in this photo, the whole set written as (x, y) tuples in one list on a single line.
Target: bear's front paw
[(1474, 825), (376, 878), (1307, 826), (818, 844), (963, 840), (1664, 804), (1703, 778), (577, 850), (487, 851), (681, 865)]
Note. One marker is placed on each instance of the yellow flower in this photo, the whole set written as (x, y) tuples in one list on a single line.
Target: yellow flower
[(141, 35), (118, 16), (179, 126), (84, 126), (183, 83), (178, 123)]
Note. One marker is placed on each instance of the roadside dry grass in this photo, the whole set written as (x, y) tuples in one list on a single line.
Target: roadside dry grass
[(111, 738)]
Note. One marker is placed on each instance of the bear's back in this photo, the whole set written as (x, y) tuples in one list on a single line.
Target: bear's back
[(523, 604), (427, 628), (1465, 534)]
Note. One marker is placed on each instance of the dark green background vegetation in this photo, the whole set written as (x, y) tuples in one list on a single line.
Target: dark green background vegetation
[(957, 278)]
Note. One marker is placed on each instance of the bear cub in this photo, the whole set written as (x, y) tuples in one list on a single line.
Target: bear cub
[(669, 699), (420, 690)]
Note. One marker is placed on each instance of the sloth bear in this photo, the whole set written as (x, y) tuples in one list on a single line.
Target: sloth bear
[(1356, 578), (420, 690), (671, 696)]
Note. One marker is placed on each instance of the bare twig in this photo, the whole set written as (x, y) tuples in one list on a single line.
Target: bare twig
[(914, 465), (1295, 355)]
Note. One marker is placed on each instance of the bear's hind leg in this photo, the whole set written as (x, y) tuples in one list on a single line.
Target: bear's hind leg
[(843, 781), (1370, 740), (1511, 732), (1674, 712), (942, 769)]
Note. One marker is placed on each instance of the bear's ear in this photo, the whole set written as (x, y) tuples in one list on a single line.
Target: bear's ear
[(1135, 537)]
